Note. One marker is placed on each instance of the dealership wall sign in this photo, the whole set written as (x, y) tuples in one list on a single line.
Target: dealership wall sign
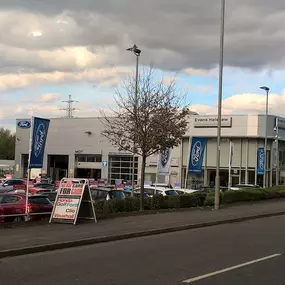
[(24, 124), (212, 122), (73, 201)]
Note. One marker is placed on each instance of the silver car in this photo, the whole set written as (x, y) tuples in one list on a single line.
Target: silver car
[(8, 184)]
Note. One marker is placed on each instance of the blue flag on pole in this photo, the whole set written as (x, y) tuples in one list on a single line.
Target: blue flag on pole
[(197, 154), (39, 136), (260, 161)]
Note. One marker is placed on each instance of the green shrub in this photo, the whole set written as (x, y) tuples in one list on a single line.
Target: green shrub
[(99, 207), (157, 202), (132, 204), (147, 203), (172, 202), (209, 201), (119, 205), (233, 196), (109, 207), (270, 194)]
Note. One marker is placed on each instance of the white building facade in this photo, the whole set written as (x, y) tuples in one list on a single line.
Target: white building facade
[(75, 148)]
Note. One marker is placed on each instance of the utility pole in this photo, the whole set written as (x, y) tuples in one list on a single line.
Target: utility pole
[(69, 109)]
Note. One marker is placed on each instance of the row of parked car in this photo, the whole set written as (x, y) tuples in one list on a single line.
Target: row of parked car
[(42, 195)]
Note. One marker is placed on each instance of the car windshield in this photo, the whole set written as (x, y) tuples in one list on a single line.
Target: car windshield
[(171, 192), (117, 195), (42, 185), (39, 200)]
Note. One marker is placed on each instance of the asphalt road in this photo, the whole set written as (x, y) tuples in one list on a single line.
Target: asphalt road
[(167, 259)]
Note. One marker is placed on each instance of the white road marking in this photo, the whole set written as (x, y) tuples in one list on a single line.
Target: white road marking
[(231, 268)]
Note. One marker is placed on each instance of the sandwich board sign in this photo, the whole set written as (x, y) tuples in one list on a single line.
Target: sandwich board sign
[(73, 201)]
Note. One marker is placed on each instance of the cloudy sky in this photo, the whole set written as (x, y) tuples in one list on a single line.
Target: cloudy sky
[(50, 49)]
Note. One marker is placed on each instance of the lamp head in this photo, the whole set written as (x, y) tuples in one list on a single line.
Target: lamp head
[(264, 88)]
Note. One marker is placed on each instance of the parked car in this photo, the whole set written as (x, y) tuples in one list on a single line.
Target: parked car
[(162, 185), (8, 184), (51, 195), (19, 191), (107, 194), (150, 190), (243, 186), (146, 195), (181, 191), (14, 204), (44, 185)]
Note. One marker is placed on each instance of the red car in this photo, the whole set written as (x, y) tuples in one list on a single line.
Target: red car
[(32, 189), (13, 204)]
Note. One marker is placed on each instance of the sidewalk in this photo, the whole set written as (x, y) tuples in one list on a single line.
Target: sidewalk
[(13, 241)]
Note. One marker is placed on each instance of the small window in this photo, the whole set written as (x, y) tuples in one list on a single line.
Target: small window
[(90, 159), (19, 182), (81, 159), (99, 158)]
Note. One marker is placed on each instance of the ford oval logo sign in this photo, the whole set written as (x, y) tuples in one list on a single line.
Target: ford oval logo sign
[(24, 124), (164, 157), (39, 139), (196, 153)]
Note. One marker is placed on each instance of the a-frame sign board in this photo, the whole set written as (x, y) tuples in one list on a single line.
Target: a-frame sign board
[(73, 201)]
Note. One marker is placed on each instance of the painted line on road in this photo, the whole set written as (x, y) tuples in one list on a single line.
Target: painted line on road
[(230, 268)]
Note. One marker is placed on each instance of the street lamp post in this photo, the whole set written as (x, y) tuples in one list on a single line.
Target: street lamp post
[(276, 129), (266, 89), (137, 53), (220, 97)]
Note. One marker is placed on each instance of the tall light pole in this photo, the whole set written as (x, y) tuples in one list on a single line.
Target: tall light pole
[(276, 129), (266, 89), (220, 98), (137, 53)]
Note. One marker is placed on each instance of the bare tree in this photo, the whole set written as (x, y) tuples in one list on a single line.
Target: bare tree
[(152, 121)]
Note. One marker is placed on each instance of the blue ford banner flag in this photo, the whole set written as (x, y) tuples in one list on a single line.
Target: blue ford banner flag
[(260, 161), (164, 161), (39, 136), (197, 154)]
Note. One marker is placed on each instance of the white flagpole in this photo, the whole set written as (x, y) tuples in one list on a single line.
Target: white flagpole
[(156, 176), (187, 165), (28, 174), (230, 165)]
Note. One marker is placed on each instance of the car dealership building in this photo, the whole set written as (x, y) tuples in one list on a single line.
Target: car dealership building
[(75, 148)]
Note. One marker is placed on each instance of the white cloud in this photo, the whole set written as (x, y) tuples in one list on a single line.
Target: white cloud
[(49, 97), (246, 104), (96, 76)]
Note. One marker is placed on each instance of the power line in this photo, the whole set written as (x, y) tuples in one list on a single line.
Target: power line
[(69, 109)]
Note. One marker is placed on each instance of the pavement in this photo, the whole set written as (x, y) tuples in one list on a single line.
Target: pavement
[(47, 237), (251, 253)]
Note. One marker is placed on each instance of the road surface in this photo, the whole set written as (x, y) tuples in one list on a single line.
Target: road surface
[(248, 253)]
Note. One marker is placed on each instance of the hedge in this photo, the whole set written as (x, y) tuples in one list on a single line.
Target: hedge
[(157, 202), (198, 199)]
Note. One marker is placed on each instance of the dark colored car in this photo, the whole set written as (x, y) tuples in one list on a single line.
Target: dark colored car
[(51, 195), (44, 185), (107, 194), (13, 204)]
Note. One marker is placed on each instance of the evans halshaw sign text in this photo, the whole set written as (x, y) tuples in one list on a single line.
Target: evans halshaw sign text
[(212, 122)]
